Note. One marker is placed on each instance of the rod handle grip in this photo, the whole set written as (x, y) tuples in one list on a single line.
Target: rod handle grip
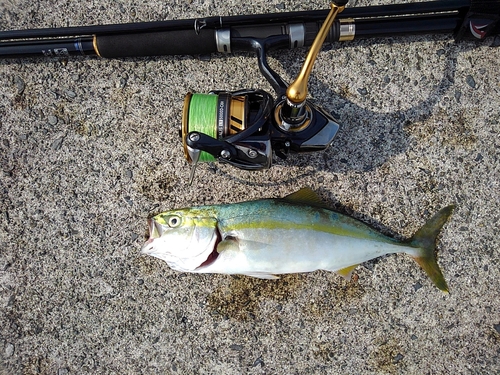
[(161, 43)]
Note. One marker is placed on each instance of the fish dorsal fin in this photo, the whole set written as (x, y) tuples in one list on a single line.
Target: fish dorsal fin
[(305, 196)]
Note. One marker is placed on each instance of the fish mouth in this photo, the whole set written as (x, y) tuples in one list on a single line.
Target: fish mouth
[(155, 231)]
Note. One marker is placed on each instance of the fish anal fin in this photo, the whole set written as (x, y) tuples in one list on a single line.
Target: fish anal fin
[(305, 196), (346, 272), (262, 275)]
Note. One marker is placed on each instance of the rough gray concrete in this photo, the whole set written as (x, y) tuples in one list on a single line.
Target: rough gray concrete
[(89, 150)]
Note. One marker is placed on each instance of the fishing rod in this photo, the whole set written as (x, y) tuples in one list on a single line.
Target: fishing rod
[(244, 127)]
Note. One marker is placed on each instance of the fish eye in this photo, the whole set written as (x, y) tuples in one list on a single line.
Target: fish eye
[(174, 221)]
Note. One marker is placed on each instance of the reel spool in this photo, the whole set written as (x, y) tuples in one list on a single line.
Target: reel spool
[(229, 126), (216, 115)]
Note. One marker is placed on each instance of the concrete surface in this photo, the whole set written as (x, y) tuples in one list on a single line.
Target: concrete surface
[(89, 150)]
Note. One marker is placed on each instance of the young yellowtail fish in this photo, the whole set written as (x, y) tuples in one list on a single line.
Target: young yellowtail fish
[(267, 237)]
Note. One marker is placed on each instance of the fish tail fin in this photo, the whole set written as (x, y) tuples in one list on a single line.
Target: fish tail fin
[(425, 242)]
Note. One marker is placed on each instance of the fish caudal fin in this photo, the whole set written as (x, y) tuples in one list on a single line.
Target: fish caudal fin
[(425, 241)]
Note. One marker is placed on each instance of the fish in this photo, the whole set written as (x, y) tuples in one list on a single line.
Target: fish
[(269, 237)]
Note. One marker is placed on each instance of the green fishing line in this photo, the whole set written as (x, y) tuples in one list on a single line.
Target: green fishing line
[(203, 118)]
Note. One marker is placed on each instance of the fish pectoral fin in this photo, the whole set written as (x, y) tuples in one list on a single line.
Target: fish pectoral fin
[(346, 273), (231, 243), (228, 244), (262, 275)]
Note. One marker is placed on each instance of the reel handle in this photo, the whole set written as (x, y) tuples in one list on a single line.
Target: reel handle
[(293, 112)]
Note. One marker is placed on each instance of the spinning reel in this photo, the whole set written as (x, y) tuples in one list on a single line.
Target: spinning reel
[(244, 127)]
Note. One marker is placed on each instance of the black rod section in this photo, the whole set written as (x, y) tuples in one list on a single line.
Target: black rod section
[(48, 48), (188, 42), (229, 21), (401, 26)]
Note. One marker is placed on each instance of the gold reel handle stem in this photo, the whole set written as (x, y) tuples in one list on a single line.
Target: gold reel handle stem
[(296, 93)]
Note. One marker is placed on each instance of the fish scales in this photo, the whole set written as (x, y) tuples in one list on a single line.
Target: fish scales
[(268, 237), (281, 237)]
